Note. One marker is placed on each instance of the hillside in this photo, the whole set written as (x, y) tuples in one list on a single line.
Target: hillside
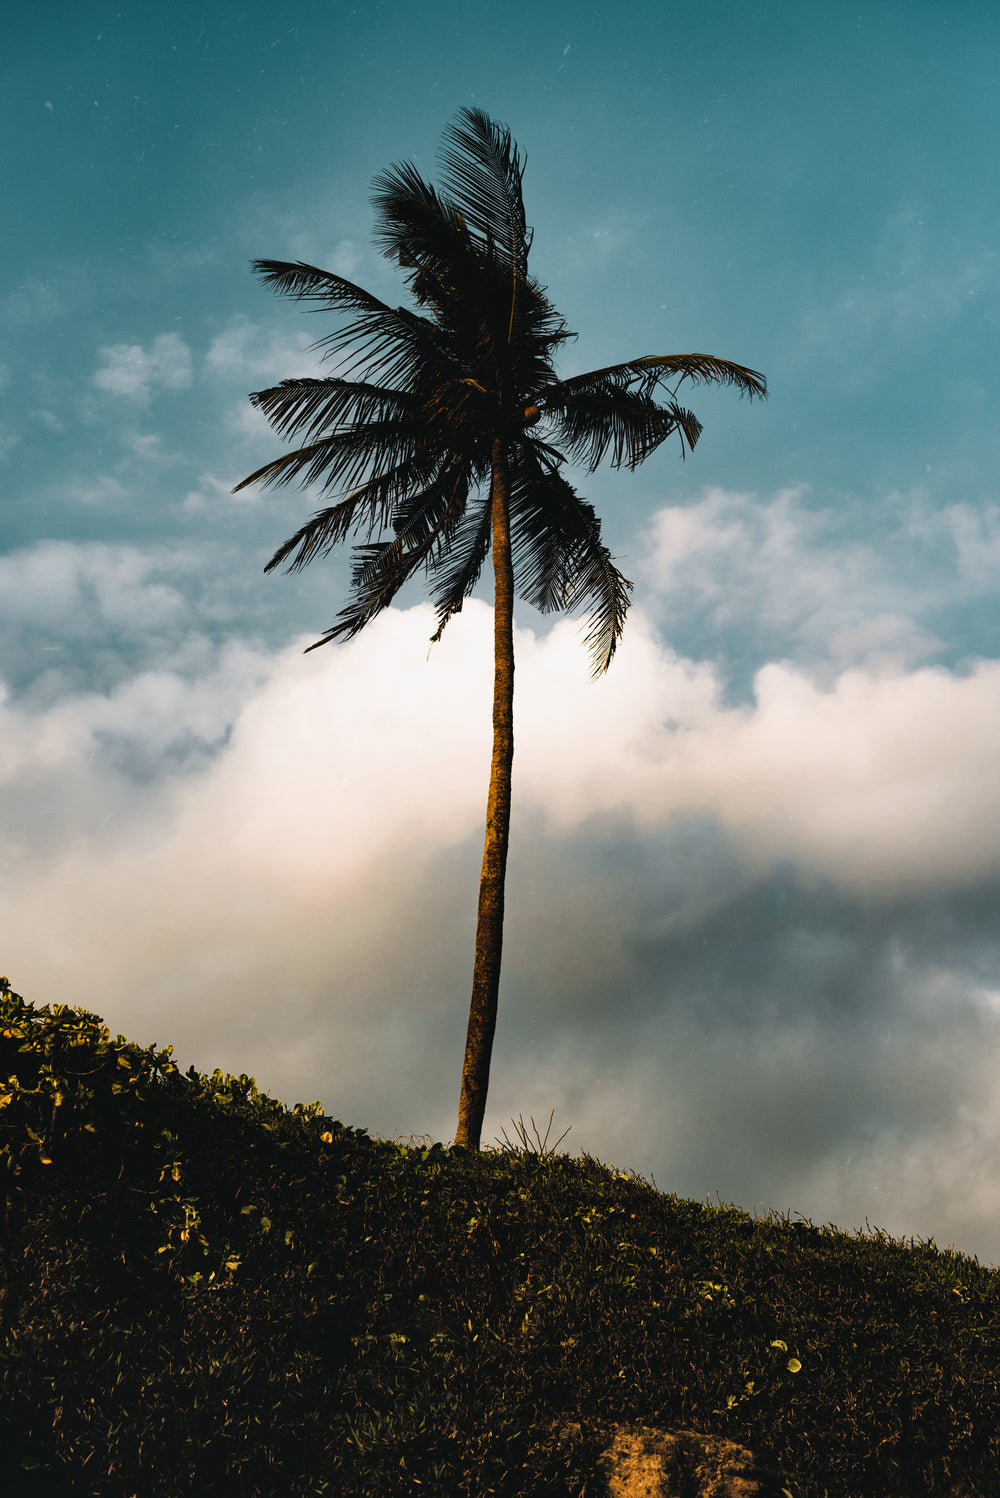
[(205, 1292)]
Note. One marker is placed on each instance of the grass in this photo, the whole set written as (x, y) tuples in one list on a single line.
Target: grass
[(204, 1292)]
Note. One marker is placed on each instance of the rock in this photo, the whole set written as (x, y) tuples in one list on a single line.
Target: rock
[(641, 1461)]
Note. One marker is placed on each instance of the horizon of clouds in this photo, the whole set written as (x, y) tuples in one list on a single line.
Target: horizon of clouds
[(808, 580), (305, 829)]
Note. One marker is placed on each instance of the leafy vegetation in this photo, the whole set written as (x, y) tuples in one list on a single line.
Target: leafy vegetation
[(204, 1292)]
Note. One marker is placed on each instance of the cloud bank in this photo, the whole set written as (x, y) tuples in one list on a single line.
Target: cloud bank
[(749, 948)]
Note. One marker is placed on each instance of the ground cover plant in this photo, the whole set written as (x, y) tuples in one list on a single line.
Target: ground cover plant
[(205, 1292)]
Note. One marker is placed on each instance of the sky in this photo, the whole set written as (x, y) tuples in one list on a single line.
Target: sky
[(752, 946)]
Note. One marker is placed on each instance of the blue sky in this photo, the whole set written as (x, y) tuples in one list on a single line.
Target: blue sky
[(752, 942)]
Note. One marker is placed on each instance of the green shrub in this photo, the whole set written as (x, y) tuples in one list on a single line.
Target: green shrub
[(204, 1292)]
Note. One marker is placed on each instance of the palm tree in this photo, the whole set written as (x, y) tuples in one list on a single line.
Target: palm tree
[(442, 439)]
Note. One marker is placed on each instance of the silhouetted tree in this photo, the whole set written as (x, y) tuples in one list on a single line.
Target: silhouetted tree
[(444, 436)]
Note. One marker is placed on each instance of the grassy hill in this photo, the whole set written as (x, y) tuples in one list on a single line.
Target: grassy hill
[(204, 1292)]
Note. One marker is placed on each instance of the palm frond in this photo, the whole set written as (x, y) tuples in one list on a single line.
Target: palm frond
[(656, 369), (479, 304), (425, 531), (483, 173), (534, 332), (413, 224), (317, 405), (387, 344), (427, 522), (321, 533), (595, 419), (349, 457), (600, 586), (391, 348), (560, 560), (380, 571), (282, 470), (469, 551), (686, 424), (308, 283), (371, 508), (471, 284)]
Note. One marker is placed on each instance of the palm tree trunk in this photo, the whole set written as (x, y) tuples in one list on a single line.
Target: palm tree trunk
[(489, 927)]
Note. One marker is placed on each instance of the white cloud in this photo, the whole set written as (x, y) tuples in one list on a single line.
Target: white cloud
[(213, 492), (885, 645), (61, 584), (295, 896), (245, 421), (346, 259), (883, 783), (743, 557), (150, 712), (253, 357), (974, 533), (752, 578), (244, 350), (132, 371), (146, 446), (886, 780), (343, 760)]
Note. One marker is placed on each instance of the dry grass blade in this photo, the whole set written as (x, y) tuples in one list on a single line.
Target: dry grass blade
[(527, 1146)]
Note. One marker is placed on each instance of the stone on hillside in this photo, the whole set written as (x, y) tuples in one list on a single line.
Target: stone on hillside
[(641, 1461)]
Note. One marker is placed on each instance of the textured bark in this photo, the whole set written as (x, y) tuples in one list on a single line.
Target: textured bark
[(489, 926)]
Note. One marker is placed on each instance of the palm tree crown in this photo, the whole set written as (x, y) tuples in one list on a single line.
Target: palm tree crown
[(442, 439), (407, 441)]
